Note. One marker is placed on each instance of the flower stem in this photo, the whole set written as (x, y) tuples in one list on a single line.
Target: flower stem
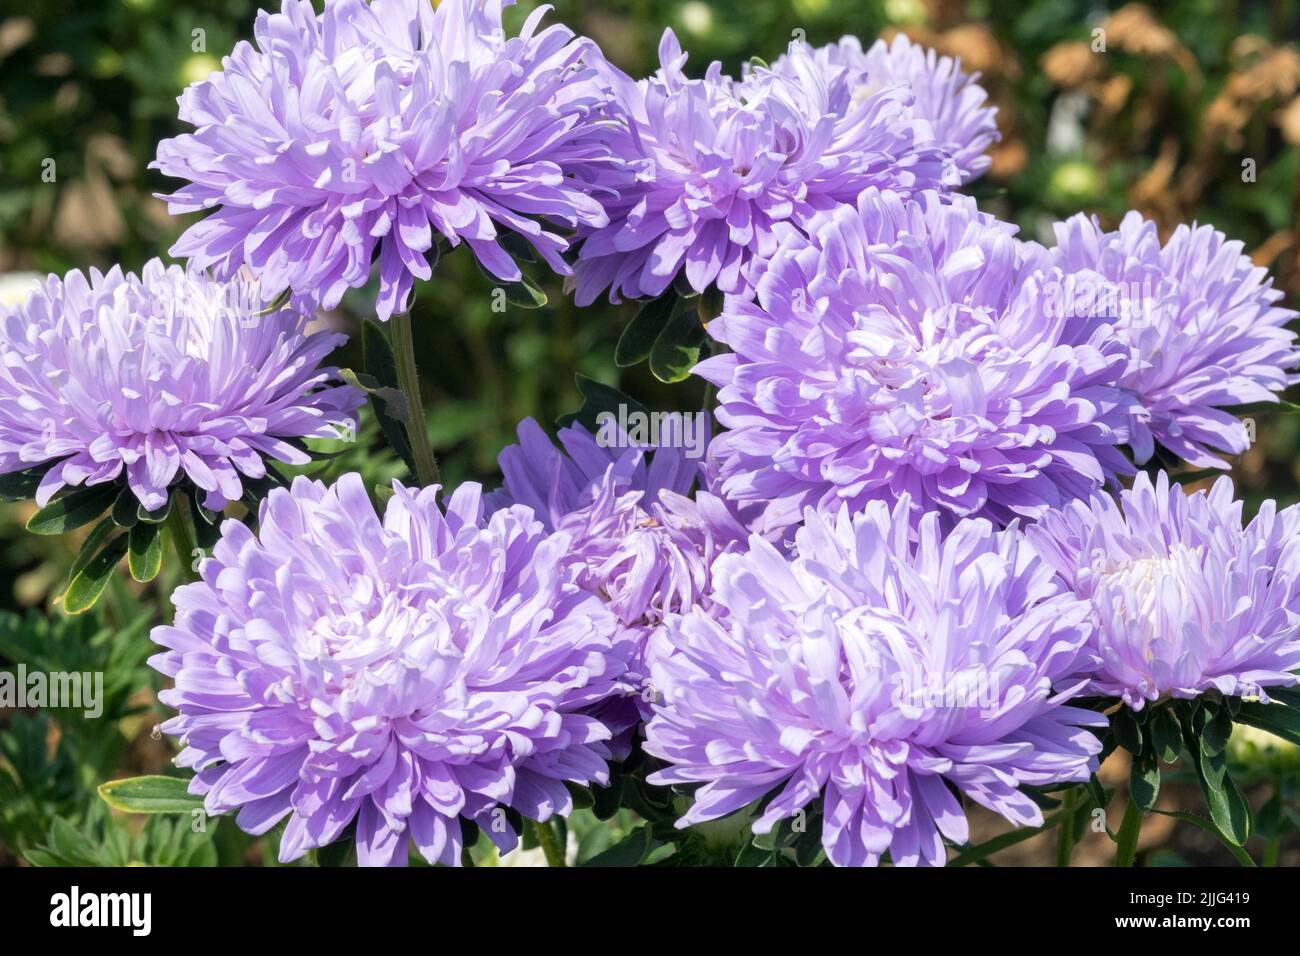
[(545, 836), (417, 432), (178, 528), (1127, 838), (1065, 837)]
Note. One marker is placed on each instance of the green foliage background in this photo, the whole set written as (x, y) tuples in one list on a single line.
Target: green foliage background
[(1163, 120)]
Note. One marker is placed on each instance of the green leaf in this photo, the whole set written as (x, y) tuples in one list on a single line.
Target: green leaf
[(72, 509), (597, 400), (629, 851), (1238, 853), (639, 337), (155, 517), (1166, 735), (676, 350), (525, 293), (1127, 732), (385, 392), (144, 551), (22, 485), (90, 581), (126, 509), (90, 547), (1144, 780), (1228, 808), (1276, 718), (150, 795)]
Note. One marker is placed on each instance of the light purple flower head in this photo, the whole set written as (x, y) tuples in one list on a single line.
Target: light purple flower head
[(1201, 320), (890, 678), (1185, 598), (405, 673), (719, 170), (904, 348), (372, 129), (641, 543), (163, 377), (952, 102)]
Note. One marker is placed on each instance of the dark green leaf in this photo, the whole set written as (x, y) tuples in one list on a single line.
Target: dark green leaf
[(677, 348), (144, 551), (126, 509), (91, 580), (1166, 735), (599, 399), (90, 547), (72, 509), (1144, 780), (629, 851), (155, 517), (525, 293), (1127, 732), (1238, 853), (386, 398), (22, 485), (1276, 718), (639, 337)]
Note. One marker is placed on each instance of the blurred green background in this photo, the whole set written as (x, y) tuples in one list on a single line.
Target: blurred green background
[(1192, 112)]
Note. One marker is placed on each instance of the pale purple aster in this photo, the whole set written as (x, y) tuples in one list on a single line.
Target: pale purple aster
[(1185, 597), (887, 676), (643, 543), (159, 378), (404, 673), (904, 348), (1202, 321), (951, 101), (719, 170), (371, 130)]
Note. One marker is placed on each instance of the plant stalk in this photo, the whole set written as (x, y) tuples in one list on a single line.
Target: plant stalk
[(417, 431), (545, 836)]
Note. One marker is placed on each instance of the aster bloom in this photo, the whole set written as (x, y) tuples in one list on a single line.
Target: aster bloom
[(903, 348), (887, 677), (405, 673), (167, 376), (641, 543), (719, 170), (952, 102), (370, 130), (1201, 320), (1185, 597)]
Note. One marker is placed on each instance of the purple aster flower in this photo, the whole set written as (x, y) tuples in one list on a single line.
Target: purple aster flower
[(370, 129), (167, 376), (952, 102), (1185, 598), (640, 542), (719, 170), (904, 348), (1202, 322), (405, 673), (888, 677)]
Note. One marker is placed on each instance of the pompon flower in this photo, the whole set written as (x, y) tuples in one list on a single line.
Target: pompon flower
[(952, 102), (642, 543), (1184, 597), (719, 170), (371, 130), (159, 378), (886, 677), (406, 673), (904, 348), (1202, 321)]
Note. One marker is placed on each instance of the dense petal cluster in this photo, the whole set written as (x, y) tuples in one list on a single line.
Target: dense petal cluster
[(952, 102), (165, 375), (1185, 598), (372, 129), (904, 348), (404, 673), (719, 169), (886, 676), (1202, 322), (643, 544)]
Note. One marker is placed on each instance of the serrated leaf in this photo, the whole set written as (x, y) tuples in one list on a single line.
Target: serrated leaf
[(144, 551), (639, 336), (676, 350), (90, 581), (72, 509), (153, 794)]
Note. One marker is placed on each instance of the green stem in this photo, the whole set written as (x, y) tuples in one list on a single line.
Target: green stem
[(417, 431), (178, 529), (1065, 837), (545, 836), (1127, 838), (976, 854)]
